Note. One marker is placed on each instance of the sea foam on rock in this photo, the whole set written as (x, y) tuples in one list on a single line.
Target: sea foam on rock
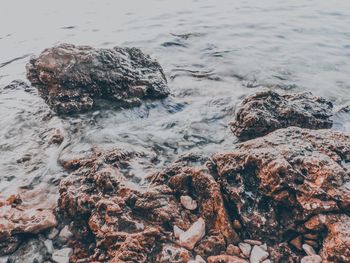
[(74, 78)]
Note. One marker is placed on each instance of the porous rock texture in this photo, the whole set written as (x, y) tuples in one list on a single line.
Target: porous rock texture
[(268, 110), (74, 78), (131, 223), (276, 183), (292, 184)]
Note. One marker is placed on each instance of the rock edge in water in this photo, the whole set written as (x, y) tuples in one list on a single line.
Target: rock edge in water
[(266, 111), (75, 78)]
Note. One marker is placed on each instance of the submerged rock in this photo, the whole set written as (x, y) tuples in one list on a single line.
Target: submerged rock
[(266, 111), (73, 78)]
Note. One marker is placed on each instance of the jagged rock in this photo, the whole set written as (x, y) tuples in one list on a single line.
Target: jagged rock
[(73, 78), (125, 222), (336, 244), (258, 255), (253, 242), (267, 111), (276, 181)]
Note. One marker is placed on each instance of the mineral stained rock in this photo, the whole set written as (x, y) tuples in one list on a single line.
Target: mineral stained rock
[(74, 78), (276, 182), (266, 111), (129, 223)]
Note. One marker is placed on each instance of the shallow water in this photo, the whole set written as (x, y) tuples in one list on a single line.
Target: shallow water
[(213, 53)]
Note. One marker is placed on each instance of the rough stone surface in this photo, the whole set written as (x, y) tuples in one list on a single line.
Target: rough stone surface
[(267, 111), (126, 222), (73, 78), (275, 182), (336, 244), (17, 218)]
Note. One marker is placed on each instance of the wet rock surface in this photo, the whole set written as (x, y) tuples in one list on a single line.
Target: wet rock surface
[(285, 177), (18, 220), (283, 197), (74, 78), (126, 222), (268, 110), (264, 200)]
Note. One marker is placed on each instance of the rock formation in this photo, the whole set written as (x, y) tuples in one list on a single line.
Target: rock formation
[(267, 111), (74, 78)]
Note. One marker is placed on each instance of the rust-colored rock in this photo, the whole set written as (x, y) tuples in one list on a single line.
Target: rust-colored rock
[(276, 181), (74, 78), (267, 111), (18, 218), (128, 222), (336, 244)]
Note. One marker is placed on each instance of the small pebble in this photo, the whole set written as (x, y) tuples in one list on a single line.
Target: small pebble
[(53, 233), (196, 232), (188, 202), (245, 248), (62, 255), (258, 255), (309, 250), (311, 259), (49, 245), (65, 234)]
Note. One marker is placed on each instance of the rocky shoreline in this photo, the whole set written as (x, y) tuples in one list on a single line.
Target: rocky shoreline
[(282, 194)]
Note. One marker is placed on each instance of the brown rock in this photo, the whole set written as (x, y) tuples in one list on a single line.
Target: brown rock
[(267, 111), (74, 78), (336, 245), (283, 178), (129, 222)]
